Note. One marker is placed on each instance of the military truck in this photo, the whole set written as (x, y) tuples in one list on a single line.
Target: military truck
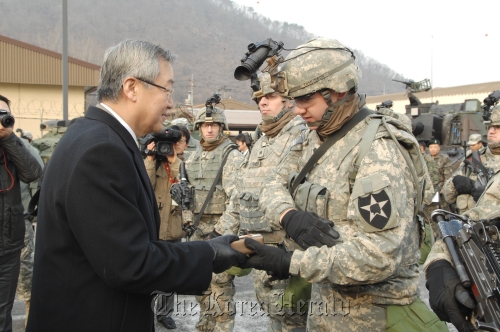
[(452, 124), (47, 143)]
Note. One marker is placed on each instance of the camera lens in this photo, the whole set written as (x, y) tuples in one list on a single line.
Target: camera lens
[(164, 148), (7, 121)]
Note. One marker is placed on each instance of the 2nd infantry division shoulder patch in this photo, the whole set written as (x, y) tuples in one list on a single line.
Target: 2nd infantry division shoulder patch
[(375, 209)]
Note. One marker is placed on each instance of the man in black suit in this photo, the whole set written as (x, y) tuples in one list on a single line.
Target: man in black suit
[(98, 258)]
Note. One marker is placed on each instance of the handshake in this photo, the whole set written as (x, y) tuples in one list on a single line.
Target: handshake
[(305, 228)]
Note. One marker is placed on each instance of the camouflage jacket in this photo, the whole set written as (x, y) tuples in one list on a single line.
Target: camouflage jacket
[(432, 168), (444, 166), (466, 202), (266, 154), (487, 207), (230, 177), (376, 261)]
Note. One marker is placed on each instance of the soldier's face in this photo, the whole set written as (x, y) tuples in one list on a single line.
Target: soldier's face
[(312, 107), (210, 130), (476, 147), (494, 134), (434, 149), (271, 104), (422, 148)]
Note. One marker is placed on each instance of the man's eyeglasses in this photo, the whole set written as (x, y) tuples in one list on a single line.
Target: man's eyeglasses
[(169, 91), (212, 125)]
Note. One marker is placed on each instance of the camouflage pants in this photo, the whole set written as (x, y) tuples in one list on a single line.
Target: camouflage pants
[(217, 307), (270, 297), (23, 291)]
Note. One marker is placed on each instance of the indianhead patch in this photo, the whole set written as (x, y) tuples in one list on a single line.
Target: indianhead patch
[(375, 209)]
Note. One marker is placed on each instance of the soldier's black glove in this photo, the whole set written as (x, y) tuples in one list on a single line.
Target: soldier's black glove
[(268, 258), (308, 229), (463, 184), (214, 234), (176, 193), (477, 192), (447, 297), (224, 255)]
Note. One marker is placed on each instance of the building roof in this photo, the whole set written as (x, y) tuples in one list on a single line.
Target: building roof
[(434, 93), (28, 64), (231, 104)]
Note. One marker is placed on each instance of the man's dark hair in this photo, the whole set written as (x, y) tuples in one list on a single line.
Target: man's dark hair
[(6, 100), (240, 138), (184, 131)]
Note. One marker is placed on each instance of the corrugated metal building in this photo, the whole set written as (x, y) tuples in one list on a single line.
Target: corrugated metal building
[(31, 77)]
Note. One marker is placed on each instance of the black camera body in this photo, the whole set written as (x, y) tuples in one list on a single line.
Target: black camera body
[(164, 143), (489, 102), (6, 119)]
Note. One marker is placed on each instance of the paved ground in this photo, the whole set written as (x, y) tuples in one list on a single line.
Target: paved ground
[(248, 316)]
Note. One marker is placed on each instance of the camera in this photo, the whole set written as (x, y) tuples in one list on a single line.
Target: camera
[(489, 102), (164, 143), (6, 119)]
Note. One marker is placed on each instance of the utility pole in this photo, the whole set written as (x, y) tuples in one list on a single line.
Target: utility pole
[(65, 59), (190, 99)]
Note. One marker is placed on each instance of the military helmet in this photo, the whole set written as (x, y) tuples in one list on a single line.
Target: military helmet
[(320, 63), (217, 116), (180, 122), (495, 116), (265, 87)]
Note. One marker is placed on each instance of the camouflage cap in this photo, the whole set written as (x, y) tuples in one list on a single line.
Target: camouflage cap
[(434, 141), (474, 139), (319, 64), (495, 116), (180, 122), (217, 116)]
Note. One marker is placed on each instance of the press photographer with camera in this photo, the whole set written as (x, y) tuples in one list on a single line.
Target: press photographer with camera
[(18, 164), (163, 170)]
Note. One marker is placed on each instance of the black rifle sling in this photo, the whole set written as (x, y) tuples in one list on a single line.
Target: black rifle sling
[(357, 118), (212, 188)]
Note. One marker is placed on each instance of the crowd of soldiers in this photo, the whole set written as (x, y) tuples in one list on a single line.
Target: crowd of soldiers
[(341, 195)]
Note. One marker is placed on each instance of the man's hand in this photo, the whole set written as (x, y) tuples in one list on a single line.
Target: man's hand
[(308, 229), (224, 255), (268, 258), (151, 146), (5, 132), (463, 184), (447, 297)]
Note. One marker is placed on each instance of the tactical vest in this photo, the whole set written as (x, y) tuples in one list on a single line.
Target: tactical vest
[(266, 154), (202, 169)]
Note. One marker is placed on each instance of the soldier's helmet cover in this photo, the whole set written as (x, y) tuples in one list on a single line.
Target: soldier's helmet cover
[(495, 116), (320, 63), (265, 87), (217, 116)]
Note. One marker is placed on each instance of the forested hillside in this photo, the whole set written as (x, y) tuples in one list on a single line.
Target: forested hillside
[(209, 37)]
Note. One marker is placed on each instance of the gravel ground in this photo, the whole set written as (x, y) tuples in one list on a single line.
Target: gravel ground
[(248, 316)]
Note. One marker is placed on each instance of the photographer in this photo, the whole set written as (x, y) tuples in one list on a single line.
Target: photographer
[(18, 164), (163, 171)]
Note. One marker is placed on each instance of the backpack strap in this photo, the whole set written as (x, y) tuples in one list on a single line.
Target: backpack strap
[(357, 118)]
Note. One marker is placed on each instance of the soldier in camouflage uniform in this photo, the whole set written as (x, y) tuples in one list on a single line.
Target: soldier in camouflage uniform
[(280, 127), (367, 279), (438, 266), (217, 305), (463, 183), (23, 291)]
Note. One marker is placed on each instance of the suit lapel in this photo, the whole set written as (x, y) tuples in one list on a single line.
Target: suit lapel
[(101, 114)]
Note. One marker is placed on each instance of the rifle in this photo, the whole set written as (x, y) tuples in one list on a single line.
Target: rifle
[(181, 193), (475, 250), (483, 175)]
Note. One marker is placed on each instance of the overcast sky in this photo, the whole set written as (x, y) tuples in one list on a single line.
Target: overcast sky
[(451, 42)]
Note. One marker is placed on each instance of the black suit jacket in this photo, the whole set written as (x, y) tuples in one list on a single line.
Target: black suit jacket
[(98, 257)]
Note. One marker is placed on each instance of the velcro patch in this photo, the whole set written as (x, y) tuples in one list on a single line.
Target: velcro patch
[(375, 209)]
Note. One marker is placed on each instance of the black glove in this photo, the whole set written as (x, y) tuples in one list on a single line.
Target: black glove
[(463, 184), (224, 255), (308, 229), (268, 258), (214, 234), (477, 192), (176, 193), (447, 297)]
